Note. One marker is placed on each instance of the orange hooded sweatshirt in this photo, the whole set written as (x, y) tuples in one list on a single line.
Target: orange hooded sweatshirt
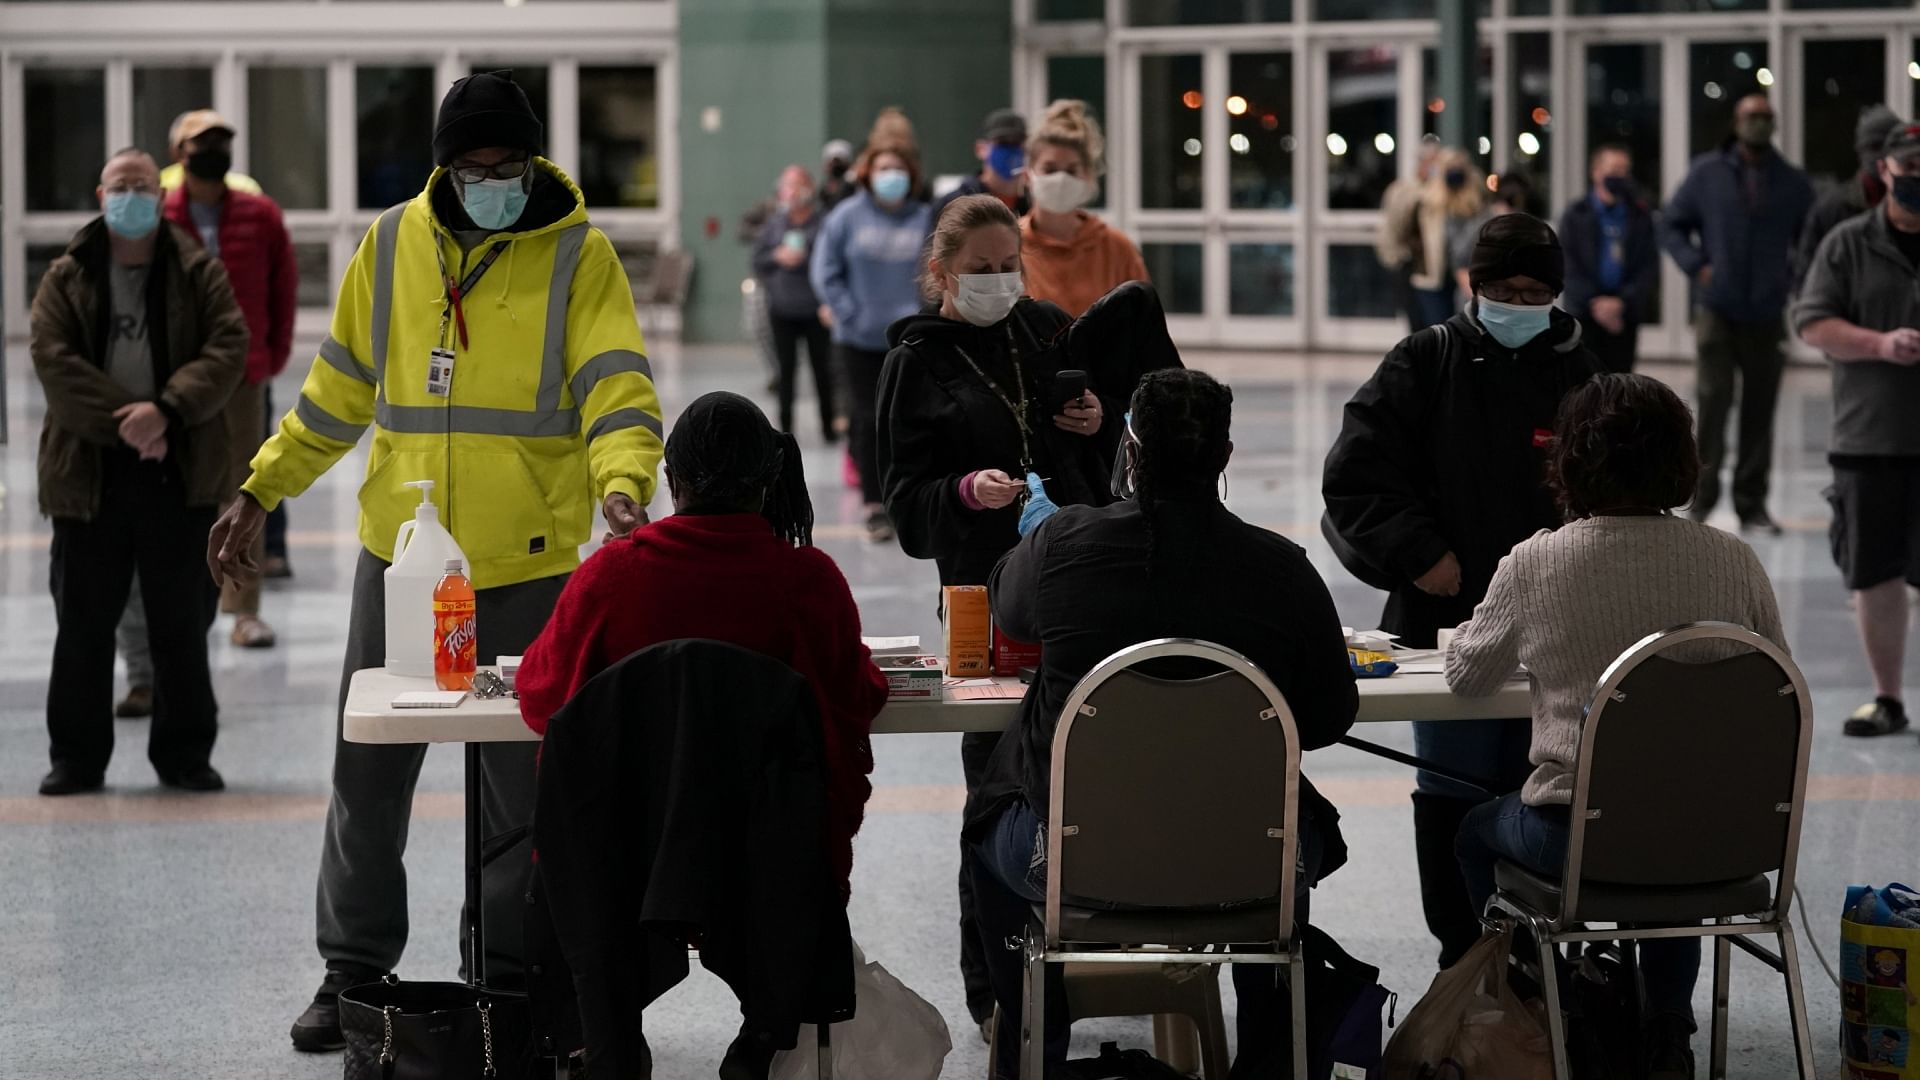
[(1075, 273)]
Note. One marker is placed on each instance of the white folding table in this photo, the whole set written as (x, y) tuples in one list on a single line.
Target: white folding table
[(371, 718)]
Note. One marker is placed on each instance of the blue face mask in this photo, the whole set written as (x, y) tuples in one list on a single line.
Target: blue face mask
[(1006, 160), (493, 204), (1513, 325), (132, 214), (890, 185)]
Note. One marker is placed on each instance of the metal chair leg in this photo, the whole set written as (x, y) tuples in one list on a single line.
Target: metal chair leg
[(1297, 998), (1550, 989), (1033, 1013), (1722, 992), (1796, 1000)]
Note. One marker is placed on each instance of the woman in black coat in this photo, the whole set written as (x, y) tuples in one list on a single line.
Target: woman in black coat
[(968, 409)]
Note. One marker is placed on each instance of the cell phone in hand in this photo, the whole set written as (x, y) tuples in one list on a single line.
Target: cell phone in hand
[(1069, 386)]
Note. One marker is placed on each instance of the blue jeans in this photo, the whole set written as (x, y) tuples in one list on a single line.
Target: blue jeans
[(1536, 838), (1495, 750), (1009, 864)]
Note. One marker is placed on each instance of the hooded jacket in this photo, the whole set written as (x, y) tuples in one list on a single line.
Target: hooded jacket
[(1443, 450), (1076, 272), (941, 422), (866, 268), (258, 255), (198, 340), (552, 404)]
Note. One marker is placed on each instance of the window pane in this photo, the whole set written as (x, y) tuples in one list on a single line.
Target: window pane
[(1069, 10), (1823, 5), (1170, 103), (1642, 7), (1531, 72), (1623, 106), (1083, 78), (313, 267), (287, 134), (1199, 12), (1358, 287), (533, 79), (1260, 117), (39, 258), (1362, 96), (395, 108), (1175, 270), (66, 110), (1837, 79), (1530, 7), (1482, 103), (1720, 73), (159, 95), (619, 142), (1260, 279), (1378, 9)]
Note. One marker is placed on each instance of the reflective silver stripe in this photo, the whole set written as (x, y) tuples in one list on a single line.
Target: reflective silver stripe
[(620, 420), (341, 359), (323, 423), (385, 235), (611, 362), (553, 365), (474, 420)]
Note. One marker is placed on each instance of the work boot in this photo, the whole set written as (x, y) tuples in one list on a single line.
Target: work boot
[(136, 705), (318, 1029)]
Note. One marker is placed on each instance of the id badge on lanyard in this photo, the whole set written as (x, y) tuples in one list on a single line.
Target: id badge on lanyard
[(440, 358), (440, 372)]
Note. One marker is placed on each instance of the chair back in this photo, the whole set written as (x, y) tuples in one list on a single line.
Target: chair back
[(1174, 792), (1693, 764)]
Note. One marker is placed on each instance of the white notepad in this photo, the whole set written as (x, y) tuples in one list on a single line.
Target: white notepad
[(430, 699)]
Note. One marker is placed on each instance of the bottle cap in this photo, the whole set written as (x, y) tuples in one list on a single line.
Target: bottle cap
[(453, 566)]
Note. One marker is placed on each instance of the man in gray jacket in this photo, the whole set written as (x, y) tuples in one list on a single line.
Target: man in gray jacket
[(1860, 306)]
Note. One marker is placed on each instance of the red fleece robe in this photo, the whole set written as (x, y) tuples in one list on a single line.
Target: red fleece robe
[(723, 577)]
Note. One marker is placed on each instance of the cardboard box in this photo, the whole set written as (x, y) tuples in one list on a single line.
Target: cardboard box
[(969, 632), (1010, 654), (911, 676)]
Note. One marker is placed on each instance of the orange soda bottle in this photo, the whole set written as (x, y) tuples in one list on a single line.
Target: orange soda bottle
[(455, 644)]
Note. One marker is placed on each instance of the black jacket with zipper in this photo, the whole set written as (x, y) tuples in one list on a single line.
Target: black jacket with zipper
[(939, 421), (1443, 450)]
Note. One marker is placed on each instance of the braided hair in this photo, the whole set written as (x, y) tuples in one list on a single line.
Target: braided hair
[(724, 457), (1180, 424)]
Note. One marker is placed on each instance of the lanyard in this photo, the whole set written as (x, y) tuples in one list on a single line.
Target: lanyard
[(458, 289), (1019, 411)]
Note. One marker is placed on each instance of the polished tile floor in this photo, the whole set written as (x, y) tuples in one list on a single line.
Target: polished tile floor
[(147, 934)]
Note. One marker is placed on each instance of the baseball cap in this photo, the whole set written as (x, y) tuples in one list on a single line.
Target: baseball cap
[(1901, 141), (191, 125), (1004, 126)]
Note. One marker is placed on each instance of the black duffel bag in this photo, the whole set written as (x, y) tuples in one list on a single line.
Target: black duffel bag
[(433, 1031)]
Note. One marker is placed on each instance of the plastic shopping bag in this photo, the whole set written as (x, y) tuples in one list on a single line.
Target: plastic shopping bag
[(895, 1034), (1471, 1025), (1879, 989)]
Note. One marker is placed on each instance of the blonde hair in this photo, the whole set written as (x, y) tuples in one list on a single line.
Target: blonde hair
[(961, 218), (1068, 126), (891, 127), (1465, 202)]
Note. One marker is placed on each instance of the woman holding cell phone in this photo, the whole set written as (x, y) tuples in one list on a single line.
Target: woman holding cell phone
[(973, 402)]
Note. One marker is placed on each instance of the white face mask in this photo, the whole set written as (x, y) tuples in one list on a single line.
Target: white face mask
[(1060, 192), (985, 299)]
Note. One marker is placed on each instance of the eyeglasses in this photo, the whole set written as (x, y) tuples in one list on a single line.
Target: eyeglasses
[(505, 170), (1502, 294)]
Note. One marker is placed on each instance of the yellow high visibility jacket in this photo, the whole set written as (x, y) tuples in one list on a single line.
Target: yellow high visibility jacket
[(551, 407), (176, 174)]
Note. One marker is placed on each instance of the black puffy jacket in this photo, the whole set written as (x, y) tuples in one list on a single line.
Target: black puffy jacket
[(1444, 449)]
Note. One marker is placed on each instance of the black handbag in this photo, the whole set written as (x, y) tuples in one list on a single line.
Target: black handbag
[(433, 1031)]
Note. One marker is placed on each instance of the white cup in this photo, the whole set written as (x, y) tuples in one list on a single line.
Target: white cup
[(1445, 638)]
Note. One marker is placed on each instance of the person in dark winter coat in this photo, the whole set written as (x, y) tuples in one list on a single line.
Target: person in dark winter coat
[(1436, 475), (1613, 260), (1170, 562), (1851, 199), (968, 411), (782, 253)]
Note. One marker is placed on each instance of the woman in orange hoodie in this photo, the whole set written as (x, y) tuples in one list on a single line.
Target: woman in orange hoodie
[(1072, 258)]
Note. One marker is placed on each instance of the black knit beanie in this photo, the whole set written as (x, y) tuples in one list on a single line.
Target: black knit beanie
[(488, 109), (1517, 245)]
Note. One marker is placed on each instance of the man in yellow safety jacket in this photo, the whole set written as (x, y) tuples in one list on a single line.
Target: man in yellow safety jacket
[(486, 332)]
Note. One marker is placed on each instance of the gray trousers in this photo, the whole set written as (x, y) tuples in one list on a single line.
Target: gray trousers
[(362, 903)]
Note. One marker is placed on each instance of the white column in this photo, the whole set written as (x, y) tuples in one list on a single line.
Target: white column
[(563, 113)]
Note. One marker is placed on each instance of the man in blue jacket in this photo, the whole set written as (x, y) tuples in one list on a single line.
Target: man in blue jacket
[(1731, 227), (1613, 262)]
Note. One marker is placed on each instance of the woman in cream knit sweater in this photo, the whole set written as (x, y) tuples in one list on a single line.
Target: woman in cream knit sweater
[(1567, 604)]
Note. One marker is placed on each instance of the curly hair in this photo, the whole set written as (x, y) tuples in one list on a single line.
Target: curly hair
[(1622, 442)]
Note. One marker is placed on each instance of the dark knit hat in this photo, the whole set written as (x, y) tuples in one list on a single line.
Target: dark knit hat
[(1870, 131), (487, 109), (1517, 245)]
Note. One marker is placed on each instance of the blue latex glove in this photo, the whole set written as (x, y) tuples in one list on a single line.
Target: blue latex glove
[(1039, 508)]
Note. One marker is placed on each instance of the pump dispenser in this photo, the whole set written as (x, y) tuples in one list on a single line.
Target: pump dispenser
[(421, 550)]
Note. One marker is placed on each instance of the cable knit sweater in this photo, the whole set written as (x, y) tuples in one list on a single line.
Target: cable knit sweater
[(1568, 603)]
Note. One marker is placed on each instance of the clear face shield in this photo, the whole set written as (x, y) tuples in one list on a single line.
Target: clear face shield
[(1121, 482)]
